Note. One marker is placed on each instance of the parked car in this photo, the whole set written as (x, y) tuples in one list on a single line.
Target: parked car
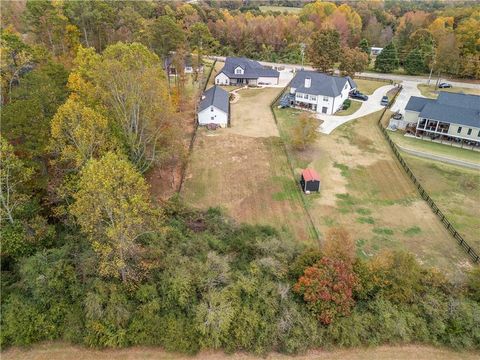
[(355, 94), (397, 116), (384, 101), (444, 85)]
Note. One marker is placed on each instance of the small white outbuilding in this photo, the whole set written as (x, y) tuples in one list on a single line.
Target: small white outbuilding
[(214, 108)]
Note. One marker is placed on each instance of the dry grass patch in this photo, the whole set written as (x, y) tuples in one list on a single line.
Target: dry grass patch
[(367, 87), (365, 190), (244, 169), (60, 351)]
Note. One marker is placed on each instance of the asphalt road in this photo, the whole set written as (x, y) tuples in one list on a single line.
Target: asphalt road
[(443, 159), (394, 77)]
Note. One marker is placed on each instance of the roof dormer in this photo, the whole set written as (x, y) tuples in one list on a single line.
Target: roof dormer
[(239, 70)]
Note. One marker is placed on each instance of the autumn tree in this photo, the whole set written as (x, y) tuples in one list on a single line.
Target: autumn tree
[(79, 133), (387, 60), (353, 61), (112, 207), (131, 83), (13, 175), (305, 131), (327, 288), (325, 50)]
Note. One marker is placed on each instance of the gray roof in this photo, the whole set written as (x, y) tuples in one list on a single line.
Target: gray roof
[(454, 108), (215, 96), (459, 99), (321, 84), (251, 69), (416, 103)]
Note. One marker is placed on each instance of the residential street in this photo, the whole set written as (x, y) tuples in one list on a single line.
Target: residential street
[(443, 159)]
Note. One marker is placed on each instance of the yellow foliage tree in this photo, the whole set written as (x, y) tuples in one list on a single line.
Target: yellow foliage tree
[(79, 133), (112, 207)]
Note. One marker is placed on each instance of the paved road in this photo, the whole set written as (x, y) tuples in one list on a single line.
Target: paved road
[(443, 159), (331, 122), (395, 77)]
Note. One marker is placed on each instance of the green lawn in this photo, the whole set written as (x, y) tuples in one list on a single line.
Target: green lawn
[(367, 87), (354, 106), (429, 90), (289, 9), (435, 148), (456, 192)]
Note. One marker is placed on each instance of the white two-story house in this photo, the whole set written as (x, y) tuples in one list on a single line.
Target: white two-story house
[(320, 92)]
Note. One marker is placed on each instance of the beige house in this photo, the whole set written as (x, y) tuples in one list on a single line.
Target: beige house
[(452, 116)]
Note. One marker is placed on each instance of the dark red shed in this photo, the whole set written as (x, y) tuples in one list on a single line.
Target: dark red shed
[(310, 180)]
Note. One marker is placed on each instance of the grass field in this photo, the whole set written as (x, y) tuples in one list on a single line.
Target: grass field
[(243, 169), (364, 190), (59, 351), (289, 9), (429, 90), (367, 87), (435, 148), (455, 190), (354, 106)]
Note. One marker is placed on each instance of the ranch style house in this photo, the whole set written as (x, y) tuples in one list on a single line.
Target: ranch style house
[(452, 116), (243, 71), (214, 108), (320, 92)]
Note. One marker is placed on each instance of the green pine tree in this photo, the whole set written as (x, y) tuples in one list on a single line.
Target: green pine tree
[(387, 60), (415, 63)]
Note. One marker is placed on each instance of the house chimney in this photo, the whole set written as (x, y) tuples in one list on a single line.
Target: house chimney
[(308, 82)]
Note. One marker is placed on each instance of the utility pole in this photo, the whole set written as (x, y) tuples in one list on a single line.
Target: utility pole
[(302, 51), (434, 61)]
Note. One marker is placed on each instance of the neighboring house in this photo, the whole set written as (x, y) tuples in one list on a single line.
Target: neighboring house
[(452, 116), (242, 71), (320, 92), (188, 67), (214, 108), (374, 51)]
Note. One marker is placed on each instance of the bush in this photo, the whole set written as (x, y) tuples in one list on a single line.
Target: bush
[(346, 104)]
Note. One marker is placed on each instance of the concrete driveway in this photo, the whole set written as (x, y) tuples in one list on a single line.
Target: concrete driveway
[(331, 122)]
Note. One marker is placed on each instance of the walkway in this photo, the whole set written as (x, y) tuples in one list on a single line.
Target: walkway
[(331, 122)]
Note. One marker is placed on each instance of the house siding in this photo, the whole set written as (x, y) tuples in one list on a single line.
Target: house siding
[(222, 79), (219, 117), (453, 131)]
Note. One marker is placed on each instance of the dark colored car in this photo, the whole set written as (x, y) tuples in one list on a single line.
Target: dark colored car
[(384, 101), (444, 85), (397, 116), (358, 95)]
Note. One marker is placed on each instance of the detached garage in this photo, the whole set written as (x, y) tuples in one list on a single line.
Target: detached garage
[(214, 108), (310, 181)]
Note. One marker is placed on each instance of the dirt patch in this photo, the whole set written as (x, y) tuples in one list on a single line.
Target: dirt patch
[(59, 351)]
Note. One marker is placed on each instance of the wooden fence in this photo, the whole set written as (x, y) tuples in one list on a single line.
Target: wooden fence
[(446, 223), (194, 135), (373, 79), (290, 165)]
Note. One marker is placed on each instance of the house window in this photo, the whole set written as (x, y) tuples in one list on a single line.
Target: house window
[(314, 98), (325, 98), (238, 71), (478, 133), (218, 81), (211, 109), (459, 130), (469, 132)]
